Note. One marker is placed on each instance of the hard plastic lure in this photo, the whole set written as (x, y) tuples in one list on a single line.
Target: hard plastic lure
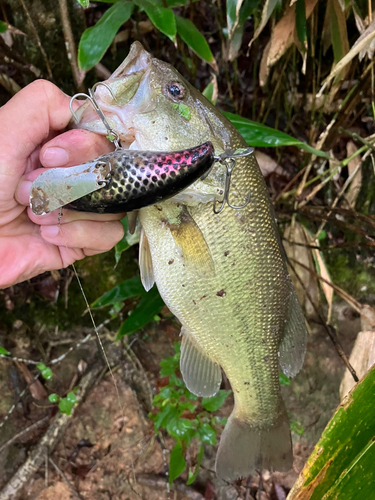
[(121, 181)]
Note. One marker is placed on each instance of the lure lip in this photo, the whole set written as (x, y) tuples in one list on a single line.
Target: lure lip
[(57, 187)]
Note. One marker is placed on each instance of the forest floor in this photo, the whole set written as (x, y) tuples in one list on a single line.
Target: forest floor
[(109, 449)]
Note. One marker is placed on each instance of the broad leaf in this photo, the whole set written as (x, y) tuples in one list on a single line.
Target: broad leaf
[(96, 40), (150, 305), (3, 27), (125, 290), (162, 18), (301, 25), (342, 463), (4, 351), (179, 428), (216, 402), (177, 462), (84, 3), (258, 135), (193, 38), (207, 434), (123, 244)]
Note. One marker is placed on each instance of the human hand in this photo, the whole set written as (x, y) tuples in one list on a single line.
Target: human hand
[(30, 244)]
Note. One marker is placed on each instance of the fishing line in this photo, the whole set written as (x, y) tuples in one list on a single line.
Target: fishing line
[(93, 323)]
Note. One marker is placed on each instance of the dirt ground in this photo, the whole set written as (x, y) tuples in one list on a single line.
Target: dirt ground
[(109, 449)]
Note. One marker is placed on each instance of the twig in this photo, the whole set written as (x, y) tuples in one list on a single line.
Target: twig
[(65, 479), (50, 439), (49, 71), (78, 74), (35, 425), (328, 328)]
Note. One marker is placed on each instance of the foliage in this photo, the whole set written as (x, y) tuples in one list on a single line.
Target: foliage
[(185, 418), (65, 404), (342, 463), (96, 40), (45, 371)]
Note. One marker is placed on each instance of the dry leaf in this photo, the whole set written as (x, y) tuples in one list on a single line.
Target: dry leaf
[(283, 35), (322, 270), (36, 388), (362, 358), (268, 165), (355, 170), (268, 8), (9, 84), (363, 42), (297, 251)]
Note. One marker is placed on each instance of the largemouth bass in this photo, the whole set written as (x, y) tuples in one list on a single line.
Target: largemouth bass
[(223, 275)]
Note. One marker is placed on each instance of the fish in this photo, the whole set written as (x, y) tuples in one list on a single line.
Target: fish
[(223, 275)]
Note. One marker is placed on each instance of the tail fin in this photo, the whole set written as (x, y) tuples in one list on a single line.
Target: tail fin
[(245, 448)]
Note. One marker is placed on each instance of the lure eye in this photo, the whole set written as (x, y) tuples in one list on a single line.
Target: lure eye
[(176, 90)]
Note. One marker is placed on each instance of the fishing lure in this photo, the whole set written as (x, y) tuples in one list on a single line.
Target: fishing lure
[(127, 180)]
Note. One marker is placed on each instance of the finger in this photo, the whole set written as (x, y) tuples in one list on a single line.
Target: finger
[(73, 148), (101, 236), (26, 121), (68, 216)]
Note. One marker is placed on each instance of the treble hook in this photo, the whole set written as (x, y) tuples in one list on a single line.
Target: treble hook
[(229, 160), (112, 135)]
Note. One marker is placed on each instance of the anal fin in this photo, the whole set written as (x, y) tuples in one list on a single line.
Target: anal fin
[(145, 262), (189, 238), (201, 375)]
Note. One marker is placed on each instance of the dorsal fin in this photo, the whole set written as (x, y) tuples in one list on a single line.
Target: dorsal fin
[(201, 375), (145, 262)]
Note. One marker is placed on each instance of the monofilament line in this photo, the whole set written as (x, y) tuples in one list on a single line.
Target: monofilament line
[(100, 342)]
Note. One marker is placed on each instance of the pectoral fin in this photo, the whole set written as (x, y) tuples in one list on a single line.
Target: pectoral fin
[(190, 239), (201, 375), (293, 343), (145, 262)]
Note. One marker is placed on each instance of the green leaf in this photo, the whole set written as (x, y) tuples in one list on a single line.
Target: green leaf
[(207, 434), (208, 92), (301, 26), (84, 3), (342, 463), (71, 397), (65, 406), (283, 379), (184, 111), (3, 27), (177, 462), (193, 38), (179, 428), (216, 402), (123, 244), (193, 473), (297, 427), (258, 135), (96, 40), (161, 17), (150, 304), (54, 398), (4, 351), (45, 371), (126, 290)]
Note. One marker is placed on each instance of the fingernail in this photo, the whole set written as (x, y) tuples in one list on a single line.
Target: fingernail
[(49, 231), (55, 157), (23, 192)]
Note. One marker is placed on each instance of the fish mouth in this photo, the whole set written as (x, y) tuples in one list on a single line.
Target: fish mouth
[(126, 94)]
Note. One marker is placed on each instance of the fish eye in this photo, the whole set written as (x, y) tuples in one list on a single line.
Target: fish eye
[(176, 90)]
